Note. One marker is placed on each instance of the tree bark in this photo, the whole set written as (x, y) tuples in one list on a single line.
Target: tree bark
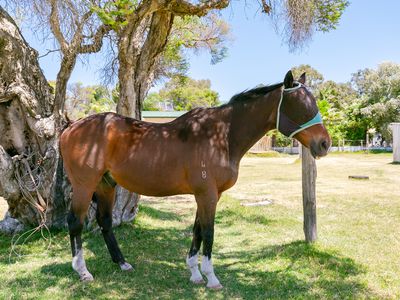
[(31, 174), (137, 62)]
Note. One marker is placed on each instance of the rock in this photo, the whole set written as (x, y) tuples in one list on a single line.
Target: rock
[(10, 225)]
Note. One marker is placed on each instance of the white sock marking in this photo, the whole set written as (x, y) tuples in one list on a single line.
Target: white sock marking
[(208, 270), (193, 264), (79, 265), (126, 266)]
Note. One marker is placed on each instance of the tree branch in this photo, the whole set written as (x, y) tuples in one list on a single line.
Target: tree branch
[(55, 26), (156, 40), (48, 52), (182, 7), (97, 43)]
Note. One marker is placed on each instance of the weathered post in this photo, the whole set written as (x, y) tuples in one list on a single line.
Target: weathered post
[(396, 142), (309, 176)]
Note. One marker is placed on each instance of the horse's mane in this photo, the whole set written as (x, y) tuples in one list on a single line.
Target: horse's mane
[(258, 91)]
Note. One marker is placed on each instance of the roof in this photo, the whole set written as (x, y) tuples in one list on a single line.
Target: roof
[(162, 114)]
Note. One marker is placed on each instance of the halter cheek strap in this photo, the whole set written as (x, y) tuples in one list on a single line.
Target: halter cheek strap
[(292, 127)]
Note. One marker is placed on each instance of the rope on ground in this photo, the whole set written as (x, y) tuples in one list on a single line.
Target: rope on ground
[(30, 174)]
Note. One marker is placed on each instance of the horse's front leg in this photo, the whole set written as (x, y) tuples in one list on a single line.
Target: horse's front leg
[(206, 206)]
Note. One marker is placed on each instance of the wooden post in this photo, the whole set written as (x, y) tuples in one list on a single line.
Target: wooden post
[(309, 176), (396, 141)]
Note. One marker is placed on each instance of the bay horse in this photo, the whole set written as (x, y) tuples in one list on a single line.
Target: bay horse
[(198, 153)]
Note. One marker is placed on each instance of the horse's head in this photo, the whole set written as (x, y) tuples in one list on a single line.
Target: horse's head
[(299, 117)]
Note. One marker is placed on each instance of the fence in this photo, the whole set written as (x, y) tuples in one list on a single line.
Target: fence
[(265, 144)]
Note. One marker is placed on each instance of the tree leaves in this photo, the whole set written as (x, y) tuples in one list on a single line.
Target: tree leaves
[(184, 94)]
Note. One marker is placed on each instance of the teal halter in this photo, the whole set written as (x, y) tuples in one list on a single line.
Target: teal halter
[(289, 127)]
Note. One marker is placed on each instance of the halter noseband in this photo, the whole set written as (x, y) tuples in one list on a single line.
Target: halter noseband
[(291, 128)]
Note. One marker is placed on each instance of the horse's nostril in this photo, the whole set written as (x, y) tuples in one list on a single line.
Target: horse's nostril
[(324, 145)]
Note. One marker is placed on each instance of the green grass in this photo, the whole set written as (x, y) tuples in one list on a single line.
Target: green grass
[(259, 252)]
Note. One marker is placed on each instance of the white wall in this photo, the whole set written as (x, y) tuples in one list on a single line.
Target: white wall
[(396, 141)]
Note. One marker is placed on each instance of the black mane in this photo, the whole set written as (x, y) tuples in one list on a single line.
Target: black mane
[(255, 92)]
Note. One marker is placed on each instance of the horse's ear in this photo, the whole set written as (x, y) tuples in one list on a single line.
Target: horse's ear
[(302, 78), (288, 81)]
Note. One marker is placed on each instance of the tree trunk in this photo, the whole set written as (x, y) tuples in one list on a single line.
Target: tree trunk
[(63, 76), (126, 203), (137, 61), (31, 174)]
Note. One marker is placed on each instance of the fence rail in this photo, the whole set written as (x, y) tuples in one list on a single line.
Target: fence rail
[(265, 144)]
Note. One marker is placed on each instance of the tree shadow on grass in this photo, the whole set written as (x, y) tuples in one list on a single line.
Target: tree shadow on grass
[(159, 214), (228, 217), (293, 270)]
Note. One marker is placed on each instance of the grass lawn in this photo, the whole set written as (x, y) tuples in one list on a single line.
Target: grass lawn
[(259, 251)]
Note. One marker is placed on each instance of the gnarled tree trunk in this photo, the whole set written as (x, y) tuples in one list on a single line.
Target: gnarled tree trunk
[(31, 174)]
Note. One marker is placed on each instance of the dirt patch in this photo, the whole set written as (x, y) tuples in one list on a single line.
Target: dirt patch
[(176, 198)]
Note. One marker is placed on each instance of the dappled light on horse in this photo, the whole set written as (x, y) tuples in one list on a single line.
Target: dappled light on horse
[(198, 153)]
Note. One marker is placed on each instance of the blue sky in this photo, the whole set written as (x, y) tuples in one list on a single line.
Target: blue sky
[(368, 34)]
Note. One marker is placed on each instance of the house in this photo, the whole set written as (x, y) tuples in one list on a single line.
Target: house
[(161, 116)]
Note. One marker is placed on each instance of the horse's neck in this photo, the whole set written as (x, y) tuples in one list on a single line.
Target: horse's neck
[(250, 121)]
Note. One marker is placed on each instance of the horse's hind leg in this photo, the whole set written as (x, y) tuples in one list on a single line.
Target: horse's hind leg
[(104, 195), (192, 260), (80, 203)]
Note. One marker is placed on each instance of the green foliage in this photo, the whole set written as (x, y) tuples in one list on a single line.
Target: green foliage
[(83, 101), (114, 13), (280, 139), (336, 102), (152, 102), (208, 33), (185, 94), (328, 13)]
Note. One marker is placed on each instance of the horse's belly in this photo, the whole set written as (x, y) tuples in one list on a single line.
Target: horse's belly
[(150, 182)]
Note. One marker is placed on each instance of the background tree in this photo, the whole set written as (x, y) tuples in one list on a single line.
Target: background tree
[(314, 78), (337, 103), (184, 94), (379, 92), (87, 100)]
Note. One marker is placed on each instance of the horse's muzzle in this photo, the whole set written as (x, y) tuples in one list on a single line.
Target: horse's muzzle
[(319, 148)]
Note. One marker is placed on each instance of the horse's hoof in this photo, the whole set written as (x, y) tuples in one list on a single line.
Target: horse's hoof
[(197, 280), (86, 277), (215, 287), (126, 266)]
